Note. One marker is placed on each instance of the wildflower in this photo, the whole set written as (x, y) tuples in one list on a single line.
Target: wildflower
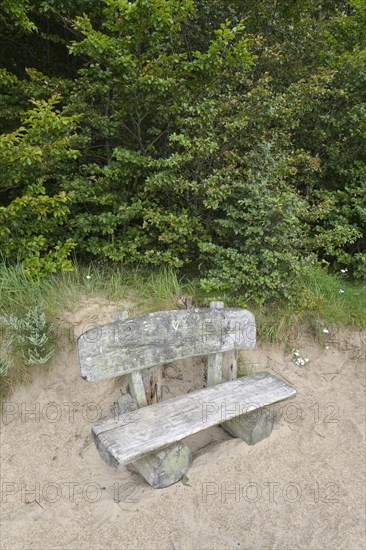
[(326, 331), (344, 270), (341, 291), (326, 347), (306, 359), (296, 352), (88, 276)]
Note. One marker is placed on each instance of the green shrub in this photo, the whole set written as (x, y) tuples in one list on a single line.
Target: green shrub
[(32, 219), (226, 139)]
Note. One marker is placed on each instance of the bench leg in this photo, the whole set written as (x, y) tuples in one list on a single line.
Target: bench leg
[(160, 468), (165, 467), (251, 427)]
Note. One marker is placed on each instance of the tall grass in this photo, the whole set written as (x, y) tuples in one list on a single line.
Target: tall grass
[(328, 299), (160, 290), (151, 289), (336, 298)]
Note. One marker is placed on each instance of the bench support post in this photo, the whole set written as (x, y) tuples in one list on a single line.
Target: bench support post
[(166, 466), (151, 379), (251, 427), (214, 361), (229, 366), (221, 366), (161, 468), (137, 389)]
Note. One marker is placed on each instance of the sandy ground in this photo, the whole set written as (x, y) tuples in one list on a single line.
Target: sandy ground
[(302, 488)]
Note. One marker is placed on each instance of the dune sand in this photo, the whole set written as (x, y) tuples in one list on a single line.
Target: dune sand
[(302, 488)]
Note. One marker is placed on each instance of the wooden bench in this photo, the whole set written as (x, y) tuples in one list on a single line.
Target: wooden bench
[(148, 432)]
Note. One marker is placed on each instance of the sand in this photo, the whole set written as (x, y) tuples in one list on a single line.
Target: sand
[(302, 488)]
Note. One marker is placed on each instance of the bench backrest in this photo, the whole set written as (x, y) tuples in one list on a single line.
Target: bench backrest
[(130, 345)]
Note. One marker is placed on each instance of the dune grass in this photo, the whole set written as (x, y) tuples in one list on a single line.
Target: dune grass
[(336, 298), (328, 298)]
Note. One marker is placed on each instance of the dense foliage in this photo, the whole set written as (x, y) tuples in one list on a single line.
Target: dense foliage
[(222, 137)]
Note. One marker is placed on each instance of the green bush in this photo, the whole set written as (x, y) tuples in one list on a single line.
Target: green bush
[(32, 220), (223, 138)]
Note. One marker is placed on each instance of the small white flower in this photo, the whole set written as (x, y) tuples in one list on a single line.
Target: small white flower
[(343, 270), (297, 353), (326, 331), (301, 362), (306, 359), (326, 347), (341, 291), (88, 276)]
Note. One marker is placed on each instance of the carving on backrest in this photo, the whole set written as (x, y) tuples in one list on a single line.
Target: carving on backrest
[(129, 345)]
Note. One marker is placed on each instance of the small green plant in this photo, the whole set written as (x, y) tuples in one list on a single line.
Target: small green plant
[(29, 335), (4, 368)]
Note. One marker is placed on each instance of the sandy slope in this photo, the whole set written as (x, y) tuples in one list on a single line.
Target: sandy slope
[(302, 488)]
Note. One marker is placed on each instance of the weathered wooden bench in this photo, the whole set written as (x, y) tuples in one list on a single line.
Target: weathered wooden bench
[(147, 432)]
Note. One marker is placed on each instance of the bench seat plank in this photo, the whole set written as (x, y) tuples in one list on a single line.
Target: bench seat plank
[(150, 428)]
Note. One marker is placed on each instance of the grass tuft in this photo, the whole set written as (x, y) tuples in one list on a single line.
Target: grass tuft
[(328, 299)]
